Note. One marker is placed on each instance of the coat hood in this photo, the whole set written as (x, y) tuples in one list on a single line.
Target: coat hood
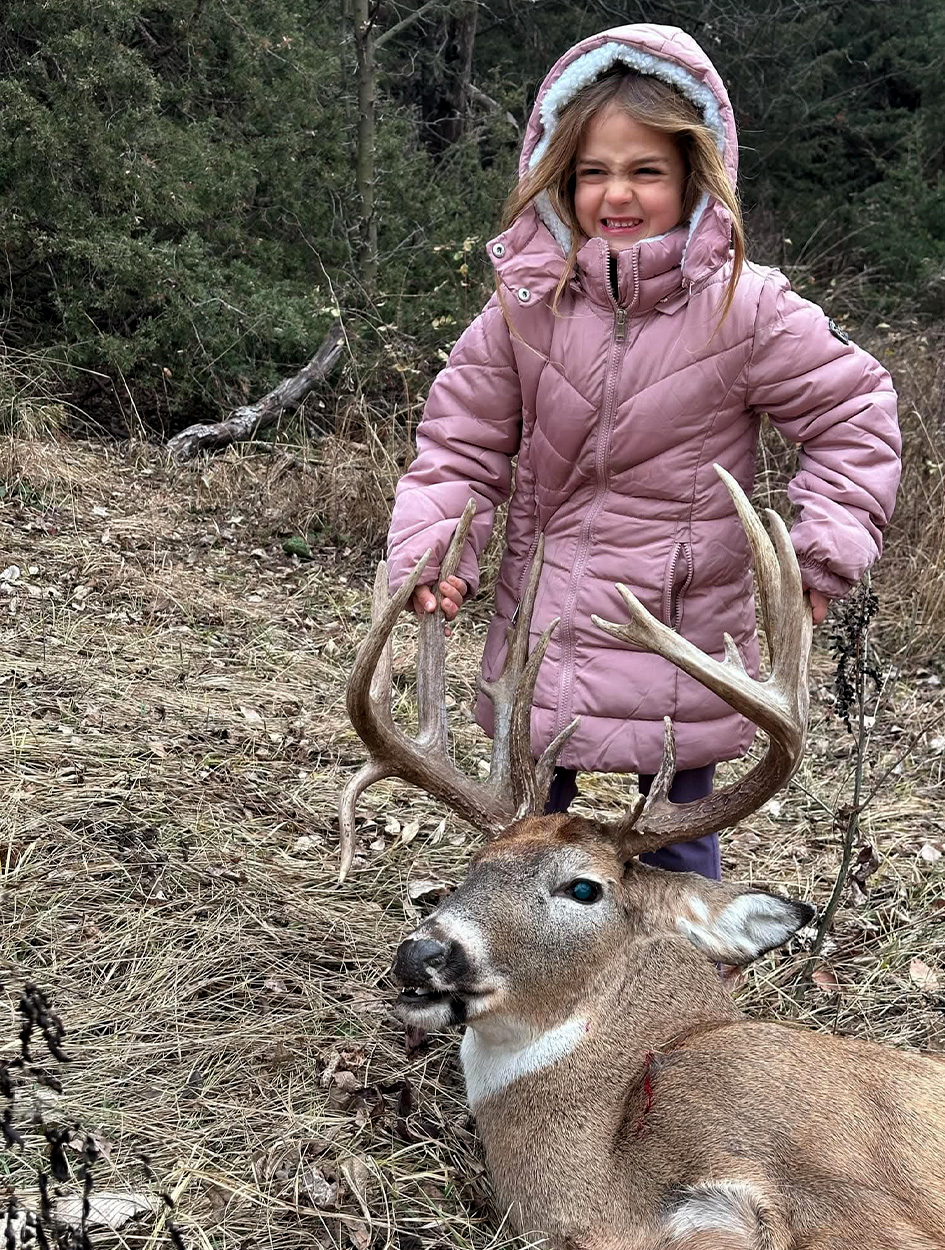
[(674, 57)]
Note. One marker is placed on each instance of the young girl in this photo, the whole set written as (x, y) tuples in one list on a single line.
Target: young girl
[(629, 345)]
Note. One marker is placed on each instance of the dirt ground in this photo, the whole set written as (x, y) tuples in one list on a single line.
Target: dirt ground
[(174, 739)]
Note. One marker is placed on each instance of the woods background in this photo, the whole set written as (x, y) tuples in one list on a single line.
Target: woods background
[(189, 192)]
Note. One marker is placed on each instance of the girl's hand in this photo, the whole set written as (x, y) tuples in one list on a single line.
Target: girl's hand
[(819, 604), (453, 592)]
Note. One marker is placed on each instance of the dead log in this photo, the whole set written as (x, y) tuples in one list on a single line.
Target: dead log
[(246, 422)]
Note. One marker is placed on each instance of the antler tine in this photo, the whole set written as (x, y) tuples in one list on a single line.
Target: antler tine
[(375, 663), (778, 705), (514, 773), (431, 657), (501, 691), (423, 761)]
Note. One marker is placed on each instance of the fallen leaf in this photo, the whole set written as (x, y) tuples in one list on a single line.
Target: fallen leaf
[(360, 1180), (359, 1233), (826, 979), (321, 1191), (405, 834), (923, 977), (346, 1081), (930, 853), (158, 749), (408, 832), (437, 833), (251, 716), (106, 1210), (866, 863), (427, 892)]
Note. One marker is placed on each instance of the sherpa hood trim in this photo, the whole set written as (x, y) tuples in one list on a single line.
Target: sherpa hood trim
[(675, 58)]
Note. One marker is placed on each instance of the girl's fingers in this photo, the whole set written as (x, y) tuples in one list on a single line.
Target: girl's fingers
[(452, 592), (423, 600), (820, 605)]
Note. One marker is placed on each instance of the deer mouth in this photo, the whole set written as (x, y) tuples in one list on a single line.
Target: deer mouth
[(427, 1008), (430, 1008)]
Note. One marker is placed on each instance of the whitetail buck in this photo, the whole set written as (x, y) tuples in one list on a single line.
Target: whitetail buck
[(624, 1103)]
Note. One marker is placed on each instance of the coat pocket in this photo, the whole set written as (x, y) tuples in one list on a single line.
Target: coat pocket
[(676, 582)]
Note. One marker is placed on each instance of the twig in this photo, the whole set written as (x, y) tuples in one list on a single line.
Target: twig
[(848, 816)]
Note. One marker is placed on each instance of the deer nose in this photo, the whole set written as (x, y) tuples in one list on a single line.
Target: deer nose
[(416, 959)]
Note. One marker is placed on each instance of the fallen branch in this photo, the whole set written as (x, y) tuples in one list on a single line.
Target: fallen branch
[(244, 423)]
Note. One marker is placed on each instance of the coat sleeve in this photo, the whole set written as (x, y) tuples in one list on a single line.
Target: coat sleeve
[(839, 404), (469, 433)]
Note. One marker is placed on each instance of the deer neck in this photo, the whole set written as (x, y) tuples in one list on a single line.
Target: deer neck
[(552, 1096)]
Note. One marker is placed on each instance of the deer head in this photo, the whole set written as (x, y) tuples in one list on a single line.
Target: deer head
[(549, 908)]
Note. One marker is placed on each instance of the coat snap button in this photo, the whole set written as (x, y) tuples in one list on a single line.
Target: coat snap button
[(524, 294), (498, 250)]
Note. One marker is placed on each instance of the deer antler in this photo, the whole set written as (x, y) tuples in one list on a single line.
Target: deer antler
[(517, 785), (778, 705)]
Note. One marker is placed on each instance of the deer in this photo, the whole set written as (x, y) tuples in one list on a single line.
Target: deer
[(622, 1099)]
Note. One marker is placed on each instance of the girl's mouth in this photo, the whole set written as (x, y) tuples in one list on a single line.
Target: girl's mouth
[(620, 225)]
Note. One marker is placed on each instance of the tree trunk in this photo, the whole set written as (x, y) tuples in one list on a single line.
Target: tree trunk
[(445, 90), (246, 422), (365, 162)]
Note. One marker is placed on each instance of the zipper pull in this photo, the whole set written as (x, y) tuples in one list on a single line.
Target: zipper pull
[(620, 325)]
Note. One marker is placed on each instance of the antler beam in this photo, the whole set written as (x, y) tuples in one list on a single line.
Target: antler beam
[(778, 705)]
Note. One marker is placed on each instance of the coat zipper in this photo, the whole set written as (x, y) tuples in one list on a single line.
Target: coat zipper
[(618, 342), (672, 595)]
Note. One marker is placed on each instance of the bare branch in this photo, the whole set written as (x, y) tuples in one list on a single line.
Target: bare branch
[(409, 20)]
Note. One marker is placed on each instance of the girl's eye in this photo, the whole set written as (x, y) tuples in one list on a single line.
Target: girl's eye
[(584, 891)]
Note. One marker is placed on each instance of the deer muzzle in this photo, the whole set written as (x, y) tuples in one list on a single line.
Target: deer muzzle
[(435, 976)]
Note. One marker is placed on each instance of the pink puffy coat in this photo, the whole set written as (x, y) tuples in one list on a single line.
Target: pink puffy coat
[(616, 409)]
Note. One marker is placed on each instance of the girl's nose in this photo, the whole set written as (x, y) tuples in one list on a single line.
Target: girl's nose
[(620, 191)]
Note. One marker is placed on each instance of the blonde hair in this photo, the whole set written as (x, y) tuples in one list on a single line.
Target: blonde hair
[(652, 103)]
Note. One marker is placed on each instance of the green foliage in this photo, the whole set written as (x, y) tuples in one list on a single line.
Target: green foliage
[(178, 210), (164, 173)]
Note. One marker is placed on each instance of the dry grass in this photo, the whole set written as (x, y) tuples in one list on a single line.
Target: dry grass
[(174, 738)]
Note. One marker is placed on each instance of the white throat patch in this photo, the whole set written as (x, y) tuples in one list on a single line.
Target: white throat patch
[(492, 1063)]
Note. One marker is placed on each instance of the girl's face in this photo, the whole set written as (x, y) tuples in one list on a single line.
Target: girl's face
[(630, 180)]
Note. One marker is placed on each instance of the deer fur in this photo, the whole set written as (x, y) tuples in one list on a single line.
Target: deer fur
[(624, 1103)]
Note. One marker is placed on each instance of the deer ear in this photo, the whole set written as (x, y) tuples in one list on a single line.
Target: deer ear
[(740, 929)]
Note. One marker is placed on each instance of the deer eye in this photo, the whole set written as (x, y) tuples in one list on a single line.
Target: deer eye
[(584, 891)]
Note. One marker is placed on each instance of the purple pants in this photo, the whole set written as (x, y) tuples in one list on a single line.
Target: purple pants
[(701, 856)]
